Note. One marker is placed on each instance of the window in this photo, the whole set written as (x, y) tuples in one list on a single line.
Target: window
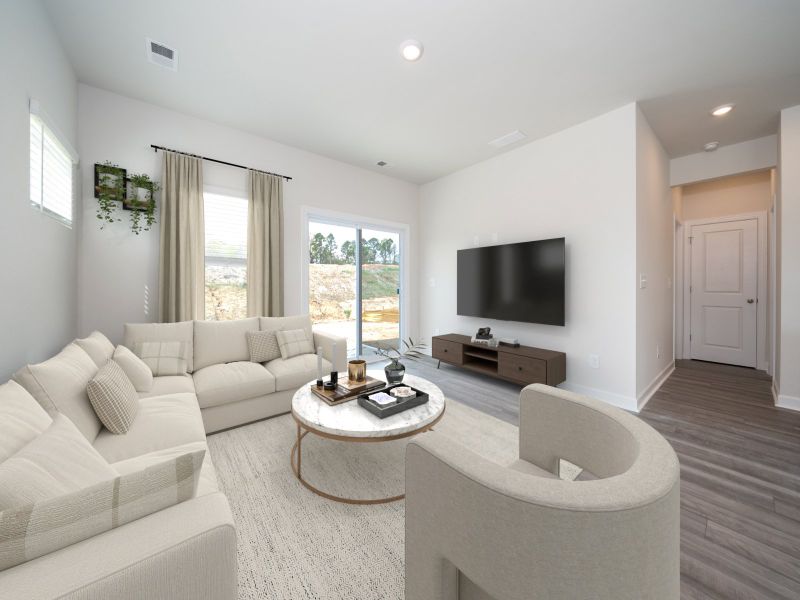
[(51, 168), (226, 257)]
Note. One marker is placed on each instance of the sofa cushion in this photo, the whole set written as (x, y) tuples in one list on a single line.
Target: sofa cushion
[(59, 385), (164, 358), (231, 382), (162, 332), (170, 384), (528, 468), (218, 342), (135, 368), (263, 346), (113, 398), (287, 323), (208, 475), (21, 419), (42, 527), (58, 461), (294, 342), (293, 372), (162, 422), (97, 346)]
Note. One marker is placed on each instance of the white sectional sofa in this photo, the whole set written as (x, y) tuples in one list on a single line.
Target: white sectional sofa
[(189, 549)]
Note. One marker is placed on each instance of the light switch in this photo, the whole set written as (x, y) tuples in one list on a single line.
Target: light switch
[(642, 281)]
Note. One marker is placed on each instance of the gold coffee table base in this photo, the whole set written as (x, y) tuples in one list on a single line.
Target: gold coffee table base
[(296, 457)]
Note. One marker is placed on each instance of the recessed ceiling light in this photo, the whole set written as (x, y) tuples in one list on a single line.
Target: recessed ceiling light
[(381, 163), (411, 50), (711, 146), (722, 110)]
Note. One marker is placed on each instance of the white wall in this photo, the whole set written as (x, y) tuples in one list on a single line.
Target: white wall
[(753, 155), (579, 183), (654, 259), (750, 192), (119, 271), (38, 299), (788, 373)]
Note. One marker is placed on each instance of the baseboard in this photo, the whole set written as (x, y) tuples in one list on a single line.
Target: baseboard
[(789, 402), (657, 382), (626, 402)]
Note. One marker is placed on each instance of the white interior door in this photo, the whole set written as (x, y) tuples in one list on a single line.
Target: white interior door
[(724, 286)]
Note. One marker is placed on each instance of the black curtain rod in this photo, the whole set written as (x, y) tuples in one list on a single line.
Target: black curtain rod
[(222, 162)]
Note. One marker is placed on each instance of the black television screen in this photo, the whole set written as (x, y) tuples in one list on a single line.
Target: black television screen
[(513, 282)]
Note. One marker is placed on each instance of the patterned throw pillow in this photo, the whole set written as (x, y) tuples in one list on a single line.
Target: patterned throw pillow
[(164, 358), (113, 398), (263, 346), (58, 461), (294, 342), (30, 531)]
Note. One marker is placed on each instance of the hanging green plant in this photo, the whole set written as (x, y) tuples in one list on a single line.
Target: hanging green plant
[(109, 188), (140, 200)]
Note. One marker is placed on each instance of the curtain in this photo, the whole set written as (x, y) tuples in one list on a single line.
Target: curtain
[(182, 249), (265, 245)]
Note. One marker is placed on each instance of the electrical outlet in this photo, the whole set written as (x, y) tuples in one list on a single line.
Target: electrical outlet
[(642, 281), (658, 350), (594, 361), (494, 238)]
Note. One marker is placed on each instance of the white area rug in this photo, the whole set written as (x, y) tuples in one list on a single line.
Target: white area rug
[(296, 545)]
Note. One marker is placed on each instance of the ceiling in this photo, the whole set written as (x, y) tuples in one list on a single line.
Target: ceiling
[(328, 77)]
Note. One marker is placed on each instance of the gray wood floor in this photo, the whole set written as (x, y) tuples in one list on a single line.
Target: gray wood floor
[(740, 472)]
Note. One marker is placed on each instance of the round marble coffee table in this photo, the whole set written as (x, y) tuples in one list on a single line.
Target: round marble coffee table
[(349, 422)]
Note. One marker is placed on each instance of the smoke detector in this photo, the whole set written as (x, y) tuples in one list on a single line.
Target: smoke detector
[(381, 163), (711, 146), (161, 55)]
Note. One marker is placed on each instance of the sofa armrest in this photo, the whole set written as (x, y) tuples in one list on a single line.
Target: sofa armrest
[(327, 341), (185, 551)]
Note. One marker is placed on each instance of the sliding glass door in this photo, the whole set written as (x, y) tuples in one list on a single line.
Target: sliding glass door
[(354, 283)]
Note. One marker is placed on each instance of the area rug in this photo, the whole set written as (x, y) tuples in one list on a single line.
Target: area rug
[(293, 544)]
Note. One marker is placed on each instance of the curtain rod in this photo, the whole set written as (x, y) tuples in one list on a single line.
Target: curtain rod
[(222, 162)]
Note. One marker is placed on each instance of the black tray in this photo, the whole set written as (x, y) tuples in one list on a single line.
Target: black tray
[(392, 409)]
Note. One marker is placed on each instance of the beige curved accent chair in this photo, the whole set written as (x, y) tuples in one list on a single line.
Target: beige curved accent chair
[(478, 530)]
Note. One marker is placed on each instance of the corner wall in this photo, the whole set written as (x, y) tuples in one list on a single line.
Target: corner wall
[(39, 255), (655, 233), (788, 342), (579, 183)]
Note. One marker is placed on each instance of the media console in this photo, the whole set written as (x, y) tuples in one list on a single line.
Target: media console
[(523, 365)]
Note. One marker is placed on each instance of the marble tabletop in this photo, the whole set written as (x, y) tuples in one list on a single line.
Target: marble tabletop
[(351, 420)]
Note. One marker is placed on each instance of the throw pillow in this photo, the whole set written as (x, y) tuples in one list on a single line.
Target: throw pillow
[(113, 398), (164, 358), (97, 346), (22, 419), (263, 346), (57, 462), (41, 527), (294, 342), (135, 368)]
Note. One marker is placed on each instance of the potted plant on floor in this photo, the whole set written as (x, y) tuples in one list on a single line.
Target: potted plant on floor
[(395, 370)]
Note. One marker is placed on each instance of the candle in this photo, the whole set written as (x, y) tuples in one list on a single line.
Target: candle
[(319, 362)]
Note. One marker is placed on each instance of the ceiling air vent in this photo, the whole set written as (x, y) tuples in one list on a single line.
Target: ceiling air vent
[(162, 55)]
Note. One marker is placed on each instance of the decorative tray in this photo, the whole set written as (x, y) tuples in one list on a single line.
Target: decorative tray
[(392, 409), (346, 390)]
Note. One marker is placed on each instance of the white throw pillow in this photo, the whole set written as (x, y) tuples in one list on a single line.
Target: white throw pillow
[(135, 368), (97, 346), (22, 419), (58, 461), (164, 358), (294, 342), (114, 398), (263, 346)]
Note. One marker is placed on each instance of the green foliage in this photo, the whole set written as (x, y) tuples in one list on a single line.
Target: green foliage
[(413, 351), (380, 281), (323, 250), (142, 208), (348, 251), (111, 189)]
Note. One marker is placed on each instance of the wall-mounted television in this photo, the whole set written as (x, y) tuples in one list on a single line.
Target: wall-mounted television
[(513, 282)]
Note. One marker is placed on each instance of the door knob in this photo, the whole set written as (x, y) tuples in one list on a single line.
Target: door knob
[(750, 300)]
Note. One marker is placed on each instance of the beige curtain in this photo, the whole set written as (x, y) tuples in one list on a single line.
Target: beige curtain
[(265, 245), (182, 261)]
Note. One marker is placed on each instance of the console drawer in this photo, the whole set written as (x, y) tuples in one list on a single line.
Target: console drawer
[(521, 368), (451, 352)]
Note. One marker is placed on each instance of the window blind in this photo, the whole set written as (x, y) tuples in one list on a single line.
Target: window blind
[(226, 226), (51, 170)]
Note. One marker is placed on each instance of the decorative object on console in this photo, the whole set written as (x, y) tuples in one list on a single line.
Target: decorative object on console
[(140, 200), (109, 188), (512, 342), (484, 333), (395, 370), (490, 343)]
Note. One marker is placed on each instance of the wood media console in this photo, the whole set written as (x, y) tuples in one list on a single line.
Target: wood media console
[(523, 365)]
